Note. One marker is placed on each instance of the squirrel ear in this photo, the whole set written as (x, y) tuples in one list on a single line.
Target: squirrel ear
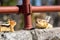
[(47, 18)]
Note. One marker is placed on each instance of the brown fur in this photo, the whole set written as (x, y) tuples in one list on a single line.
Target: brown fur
[(41, 23), (12, 23)]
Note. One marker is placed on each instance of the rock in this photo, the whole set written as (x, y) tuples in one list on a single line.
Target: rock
[(46, 34), (19, 35), (35, 34)]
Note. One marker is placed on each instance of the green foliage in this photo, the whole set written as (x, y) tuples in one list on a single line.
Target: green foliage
[(22, 22), (13, 2), (9, 2)]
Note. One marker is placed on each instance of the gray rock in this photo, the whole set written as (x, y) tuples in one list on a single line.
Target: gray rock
[(46, 34), (36, 34), (19, 35)]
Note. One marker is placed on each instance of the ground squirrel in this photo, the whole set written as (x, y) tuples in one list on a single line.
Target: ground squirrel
[(10, 23)]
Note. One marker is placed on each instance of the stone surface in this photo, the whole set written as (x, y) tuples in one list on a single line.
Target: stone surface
[(46, 34), (35, 34), (19, 35)]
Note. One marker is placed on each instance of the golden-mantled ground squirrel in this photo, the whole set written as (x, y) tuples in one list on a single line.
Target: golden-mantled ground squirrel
[(9, 26), (41, 23)]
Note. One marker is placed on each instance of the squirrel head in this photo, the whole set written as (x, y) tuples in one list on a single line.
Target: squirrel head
[(11, 22)]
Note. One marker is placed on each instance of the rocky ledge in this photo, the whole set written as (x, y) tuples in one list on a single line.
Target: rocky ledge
[(35, 34)]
